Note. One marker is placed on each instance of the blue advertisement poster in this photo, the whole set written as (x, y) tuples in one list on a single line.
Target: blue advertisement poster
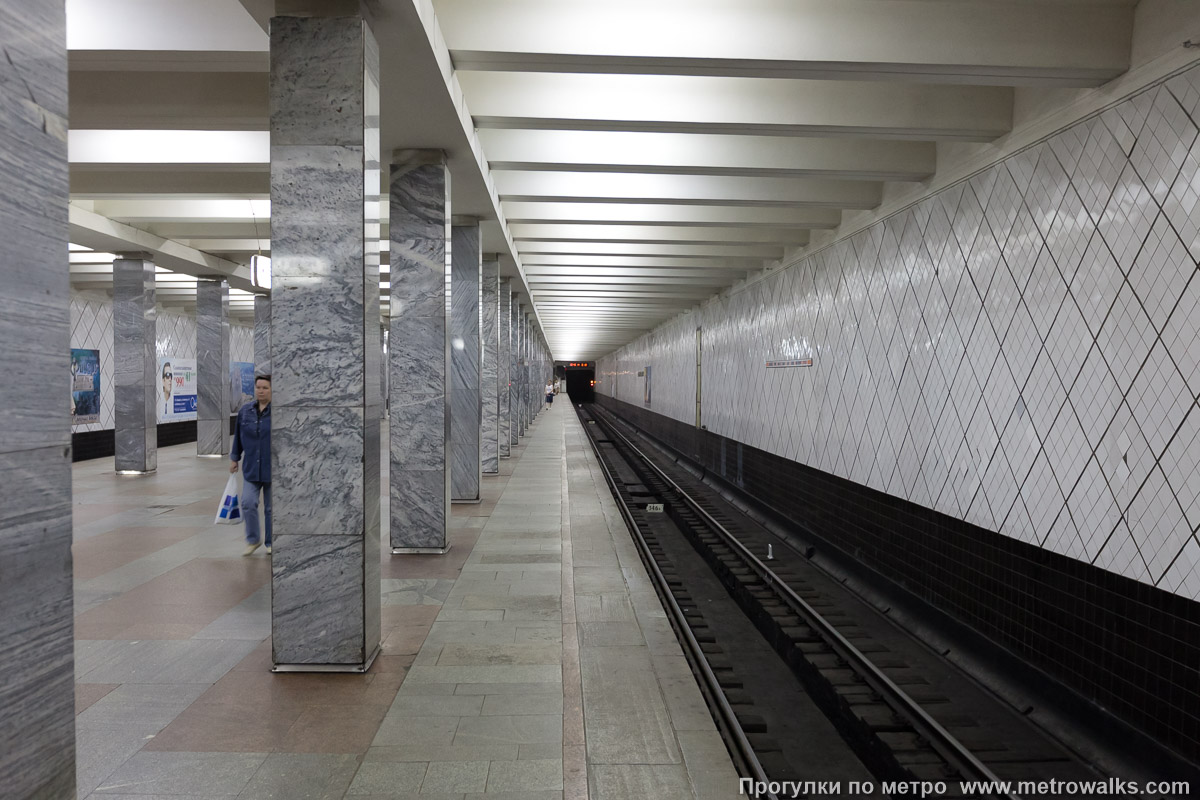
[(85, 386), (241, 384), (177, 397)]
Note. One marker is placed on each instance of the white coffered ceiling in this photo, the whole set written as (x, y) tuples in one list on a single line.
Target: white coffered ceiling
[(629, 158)]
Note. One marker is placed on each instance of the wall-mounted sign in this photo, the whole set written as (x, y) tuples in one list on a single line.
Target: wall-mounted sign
[(177, 389), (583, 364), (793, 362), (241, 384), (85, 386)]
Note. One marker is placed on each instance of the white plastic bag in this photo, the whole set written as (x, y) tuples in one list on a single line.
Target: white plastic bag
[(230, 511)]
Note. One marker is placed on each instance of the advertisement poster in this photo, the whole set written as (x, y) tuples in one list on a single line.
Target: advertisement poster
[(177, 389), (85, 386), (241, 384)]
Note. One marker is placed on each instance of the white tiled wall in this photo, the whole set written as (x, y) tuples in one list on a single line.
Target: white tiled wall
[(1020, 350), (92, 328)]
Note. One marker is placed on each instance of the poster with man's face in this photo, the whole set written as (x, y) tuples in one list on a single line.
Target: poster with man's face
[(176, 400)]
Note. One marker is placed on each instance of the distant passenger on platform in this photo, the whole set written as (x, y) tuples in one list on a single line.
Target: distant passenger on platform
[(252, 444), (549, 393)]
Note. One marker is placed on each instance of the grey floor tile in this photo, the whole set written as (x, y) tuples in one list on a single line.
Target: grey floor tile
[(516, 705), (437, 706), (387, 778), (540, 751), (183, 773), (547, 687), (525, 776), (500, 654), (509, 730), (508, 673), (609, 634), (99, 752), (415, 591), (397, 729), (175, 662), (140, 707), (455, 777), (446, 752), (302, 776), (638, 781)]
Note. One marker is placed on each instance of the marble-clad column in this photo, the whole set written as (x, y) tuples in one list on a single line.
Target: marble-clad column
[(529, 388), (503, 361), (490, 454), (419, 352), (262, 334), (135, 375), (324, 100), (37, 690), (519, 380), (466, 353), (212, 368)]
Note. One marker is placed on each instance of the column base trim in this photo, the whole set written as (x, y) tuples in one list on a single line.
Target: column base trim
[(491, 474), (424, 551), (212, 455), (328, 667), (135, 471), (466, 502)]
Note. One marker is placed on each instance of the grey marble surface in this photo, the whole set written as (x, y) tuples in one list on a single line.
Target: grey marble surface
[(262, 335), (317, 466), (526, 355), (419, 352), (317, 599), (519, 379), (490, 453), (465, 357), (503, 355), (327, 405), (317, 313), (514, 356), (135, 373), (212, 367), (36, 693), (321, 61), (420, 521)]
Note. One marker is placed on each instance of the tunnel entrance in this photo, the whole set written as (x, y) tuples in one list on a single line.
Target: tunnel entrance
[(581, 381)]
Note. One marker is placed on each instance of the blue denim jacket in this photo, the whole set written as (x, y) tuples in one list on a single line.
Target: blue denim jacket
[(252, 436)]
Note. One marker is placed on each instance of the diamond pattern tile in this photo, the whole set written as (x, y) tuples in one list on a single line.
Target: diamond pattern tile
[(1161, 272), (1159, 399), (1020, 350), (1183, 576), (1164, 143), (1130, 213), (1185, 87), (1099, 168), (1180, 203), (1126, 338), (1157, 524), (1181, 464)]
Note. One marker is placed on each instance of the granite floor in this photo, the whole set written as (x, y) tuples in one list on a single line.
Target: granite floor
[(532, 661)]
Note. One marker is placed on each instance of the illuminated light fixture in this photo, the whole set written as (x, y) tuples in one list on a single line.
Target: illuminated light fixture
[(260, 271), (168, 147)]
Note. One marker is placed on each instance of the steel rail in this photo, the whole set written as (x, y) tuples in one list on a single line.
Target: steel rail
[(729, 717), (926, 726)]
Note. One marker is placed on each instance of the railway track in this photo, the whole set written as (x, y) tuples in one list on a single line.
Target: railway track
[(902, 714)]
